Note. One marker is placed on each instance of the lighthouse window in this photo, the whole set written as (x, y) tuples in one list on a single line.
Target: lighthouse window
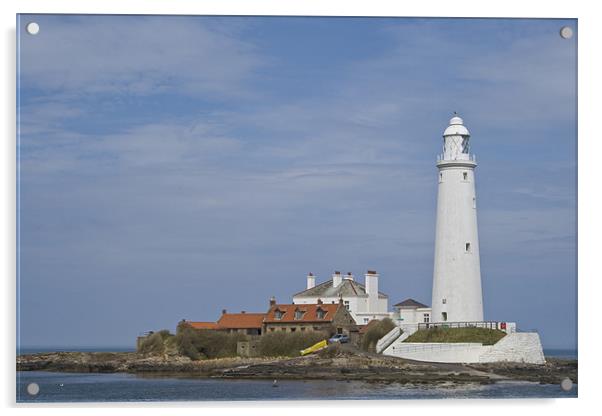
[(468, 247), (444, 316), (444, 301), (474, 202), (465, 175), (441, 177)]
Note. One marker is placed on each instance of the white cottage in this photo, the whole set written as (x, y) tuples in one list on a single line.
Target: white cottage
[(410, 313), (363, 301)]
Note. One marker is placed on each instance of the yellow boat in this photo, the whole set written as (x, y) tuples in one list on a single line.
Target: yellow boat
[(316, 347)]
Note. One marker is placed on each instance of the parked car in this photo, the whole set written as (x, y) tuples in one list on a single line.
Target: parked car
[(342, 338)]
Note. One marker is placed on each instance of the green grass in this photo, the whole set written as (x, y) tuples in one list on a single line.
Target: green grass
[(483, 335)]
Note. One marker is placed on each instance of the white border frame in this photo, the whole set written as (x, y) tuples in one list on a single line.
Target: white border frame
[(589, 207)]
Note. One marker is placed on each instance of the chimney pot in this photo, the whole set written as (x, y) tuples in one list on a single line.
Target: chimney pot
[(224, 311), (320, 301), (243, 312), (272, 301)]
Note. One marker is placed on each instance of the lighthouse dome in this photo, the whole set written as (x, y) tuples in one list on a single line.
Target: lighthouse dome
[(456, 127)]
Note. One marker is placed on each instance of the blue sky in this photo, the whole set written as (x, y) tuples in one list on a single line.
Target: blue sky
[(171, 167)]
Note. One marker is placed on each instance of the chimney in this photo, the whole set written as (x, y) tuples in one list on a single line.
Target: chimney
[(349, 276), (311, 280), (243, 311), (224, 311), (319, 302), (337, 279), (372, 290), (340, 300), (272, 301)]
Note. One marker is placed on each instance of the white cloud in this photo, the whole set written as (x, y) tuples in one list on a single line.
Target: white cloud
[(86, 56)]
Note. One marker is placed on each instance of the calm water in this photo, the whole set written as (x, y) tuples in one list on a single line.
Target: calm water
[(75, 387)]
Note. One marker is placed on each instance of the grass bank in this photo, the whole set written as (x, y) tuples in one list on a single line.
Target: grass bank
[(438, 334)]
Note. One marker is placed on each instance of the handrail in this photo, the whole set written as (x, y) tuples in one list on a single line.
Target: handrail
[(418, 346), (462, 324)]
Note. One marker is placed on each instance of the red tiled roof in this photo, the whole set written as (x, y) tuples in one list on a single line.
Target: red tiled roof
[(202, 325), (240, 320), (310, 314)]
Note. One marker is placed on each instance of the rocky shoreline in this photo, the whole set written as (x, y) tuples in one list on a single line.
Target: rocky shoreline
[(332, 365)]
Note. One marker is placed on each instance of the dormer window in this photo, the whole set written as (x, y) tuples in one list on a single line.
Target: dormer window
[(278, 314), (320, 313), (299, 314)]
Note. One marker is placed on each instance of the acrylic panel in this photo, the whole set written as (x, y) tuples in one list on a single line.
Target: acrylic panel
[(295, 208)]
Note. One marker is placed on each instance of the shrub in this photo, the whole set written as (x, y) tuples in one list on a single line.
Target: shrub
[(199, 344), (376, 332), (155, 343), (485, 336), (288, 344)]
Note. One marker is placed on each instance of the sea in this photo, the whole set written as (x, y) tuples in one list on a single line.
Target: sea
[(120, 387)]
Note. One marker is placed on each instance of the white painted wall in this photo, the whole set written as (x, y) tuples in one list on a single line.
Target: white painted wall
[(371, 284), (311, 281), (522, 347), (412, 316), (457, 271), (337, 279)]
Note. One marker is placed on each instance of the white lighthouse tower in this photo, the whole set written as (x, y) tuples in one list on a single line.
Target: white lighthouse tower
[(457, 295)]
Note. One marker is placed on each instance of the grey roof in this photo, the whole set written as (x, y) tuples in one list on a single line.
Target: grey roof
[(348, 288), (410, 304)]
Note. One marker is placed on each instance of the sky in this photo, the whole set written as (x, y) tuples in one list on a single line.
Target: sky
[(172, 167)]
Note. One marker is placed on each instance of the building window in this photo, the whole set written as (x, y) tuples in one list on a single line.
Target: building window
[(346, 304), (366, 320), (444, 301), (302, 328), (283, 329), (426, 318), (299, 314), (320, 313), (272, 329), (467, 247), (278, 314), (293, 329), (444, 316), (465, 175)]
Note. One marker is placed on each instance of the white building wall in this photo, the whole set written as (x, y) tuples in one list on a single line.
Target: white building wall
[(522, 347), (372, 292), (457, 294)]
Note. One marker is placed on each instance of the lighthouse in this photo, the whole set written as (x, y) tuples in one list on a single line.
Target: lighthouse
[(457, 294)]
